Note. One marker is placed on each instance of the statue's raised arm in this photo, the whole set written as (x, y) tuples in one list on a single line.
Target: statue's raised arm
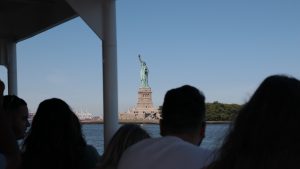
[(140, 59), (143, 73)]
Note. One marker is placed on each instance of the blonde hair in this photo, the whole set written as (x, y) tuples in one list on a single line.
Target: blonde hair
[(126, 136)]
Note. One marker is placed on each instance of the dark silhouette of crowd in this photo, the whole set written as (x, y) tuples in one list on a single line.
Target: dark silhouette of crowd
[(263, 134)]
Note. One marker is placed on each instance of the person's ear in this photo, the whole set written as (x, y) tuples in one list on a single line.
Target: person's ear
[(200, 135), (202, 130), (162, 128)]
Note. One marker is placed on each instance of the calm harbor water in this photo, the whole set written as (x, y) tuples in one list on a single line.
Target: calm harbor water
[(213, 138)]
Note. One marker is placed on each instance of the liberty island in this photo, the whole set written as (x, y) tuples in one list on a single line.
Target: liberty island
[(144, 111)]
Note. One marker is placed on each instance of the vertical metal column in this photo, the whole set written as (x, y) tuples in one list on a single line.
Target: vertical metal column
[(110, 73), (9, 60), (12, 68)]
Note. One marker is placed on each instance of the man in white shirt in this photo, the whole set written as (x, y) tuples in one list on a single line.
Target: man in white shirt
[(182, 128)]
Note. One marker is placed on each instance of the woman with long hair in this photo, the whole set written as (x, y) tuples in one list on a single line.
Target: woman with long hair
[(126, 136), (55, 140), (265, 133)]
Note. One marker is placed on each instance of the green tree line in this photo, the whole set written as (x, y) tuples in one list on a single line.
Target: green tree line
[(221, 112)]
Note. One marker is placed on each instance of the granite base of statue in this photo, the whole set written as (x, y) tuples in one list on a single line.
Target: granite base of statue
[(144, 109)]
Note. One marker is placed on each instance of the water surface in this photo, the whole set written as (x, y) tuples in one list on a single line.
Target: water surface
[(213, 138)]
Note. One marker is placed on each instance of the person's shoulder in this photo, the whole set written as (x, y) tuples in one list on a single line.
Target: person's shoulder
[(150, 142), (184, 147), (140, 148), (141, 144), (167, 151), (89, 149), (191, 153), (158, 145), (2, 161), (90, 157)]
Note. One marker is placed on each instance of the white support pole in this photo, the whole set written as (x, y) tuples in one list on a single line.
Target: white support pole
[(110, 74), (9, 60)]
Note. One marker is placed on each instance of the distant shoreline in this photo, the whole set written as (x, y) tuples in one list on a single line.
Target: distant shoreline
[(143, 122)]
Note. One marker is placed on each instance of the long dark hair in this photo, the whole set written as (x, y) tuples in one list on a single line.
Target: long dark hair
[(55, 139), (265, 134)]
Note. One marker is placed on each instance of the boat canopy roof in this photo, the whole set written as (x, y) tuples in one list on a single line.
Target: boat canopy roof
[(22, 19)]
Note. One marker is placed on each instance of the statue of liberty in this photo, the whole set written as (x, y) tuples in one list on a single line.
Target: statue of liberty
[(144, 73)]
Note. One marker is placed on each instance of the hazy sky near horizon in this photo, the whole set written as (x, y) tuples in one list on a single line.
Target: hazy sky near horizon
[(224, 48)]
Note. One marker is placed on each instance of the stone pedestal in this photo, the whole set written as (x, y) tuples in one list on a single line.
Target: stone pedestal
[(144, 99), (144, 109)]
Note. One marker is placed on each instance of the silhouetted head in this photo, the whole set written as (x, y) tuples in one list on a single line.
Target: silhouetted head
[(55, 135), (54, 120), (265, 131), (126, 136), (183, 112), (18, 111), (272, 109)]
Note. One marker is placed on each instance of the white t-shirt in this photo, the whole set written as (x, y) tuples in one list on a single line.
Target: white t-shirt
[(167, 152), (2, 161)]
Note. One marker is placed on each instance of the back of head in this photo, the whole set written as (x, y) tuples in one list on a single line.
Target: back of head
[(183, 110), (264, 134), (273, 108), (17, 112), (55, 133), (12, 102), (54, 120), (126, 136)]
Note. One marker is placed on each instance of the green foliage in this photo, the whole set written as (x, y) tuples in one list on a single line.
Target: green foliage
[(221, 112)]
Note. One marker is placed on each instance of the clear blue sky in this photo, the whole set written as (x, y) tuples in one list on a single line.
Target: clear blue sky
[(225, 48)]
